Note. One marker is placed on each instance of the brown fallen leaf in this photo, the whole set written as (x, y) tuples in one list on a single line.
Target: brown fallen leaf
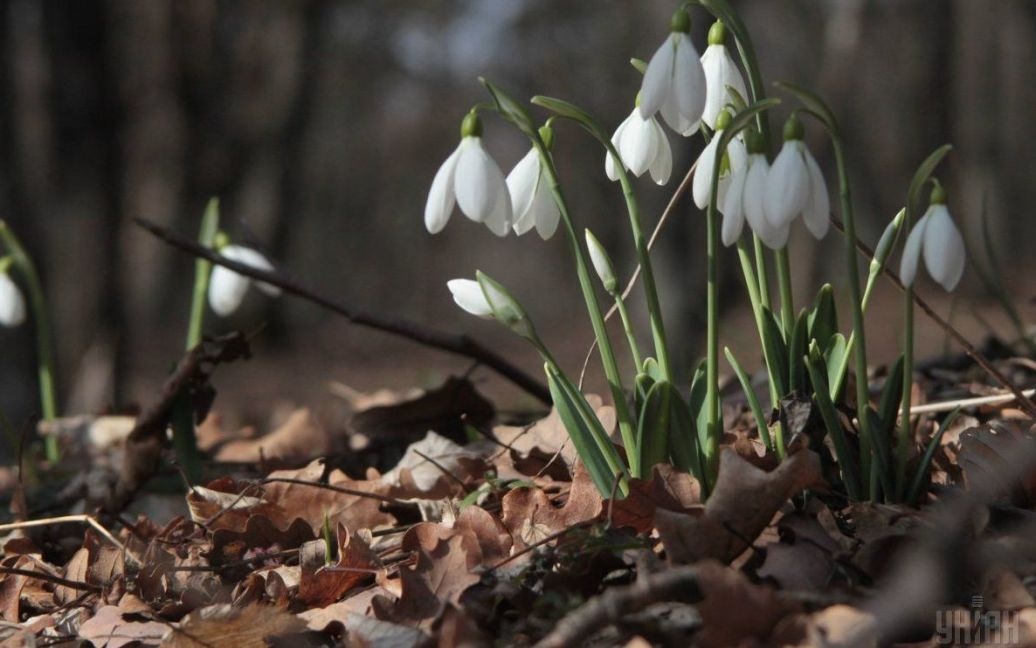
[(224, 625), (108, 628), (667, 488), (320, 584), (433, 468), (742, 504), (989, 460), (531, 517), (300, 438), (733, 610), (355, 511)]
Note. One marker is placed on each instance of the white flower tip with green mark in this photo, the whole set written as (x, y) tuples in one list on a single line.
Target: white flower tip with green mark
[(227, 288), (531, 200), (674, 84), (721, 74), (471, 179), (643, 146), (467, 293), (12, 303), (938, 241)]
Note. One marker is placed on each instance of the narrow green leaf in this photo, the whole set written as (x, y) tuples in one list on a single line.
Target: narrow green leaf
[(882, 463), (929, 453), (796, 351), (653, 429), (891, 397), (846, 459), (776, 352), (568, 110), (823, 318), (921, 176), (580, 430), (753, 399), (696, 404), (512, 110), (684, 450), (642, 384), (837, 360), (813, 104)]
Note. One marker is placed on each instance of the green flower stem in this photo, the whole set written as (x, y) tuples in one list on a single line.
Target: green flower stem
[(202, 273), (627, 326), (867, 439), (653, 304), (714, 419), (762, 274), (784, 286), (905, 427), (44, 339), (593, 306)]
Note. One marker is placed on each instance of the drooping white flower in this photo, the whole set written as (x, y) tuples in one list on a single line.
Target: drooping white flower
[(227, 288), (745, 199), (938, 240), (531, 201), (721, 74), (602, 262), (472, 179), (643, 146), (733, 160), (795, 185), (469, 296), (12, 304), (674, 81)]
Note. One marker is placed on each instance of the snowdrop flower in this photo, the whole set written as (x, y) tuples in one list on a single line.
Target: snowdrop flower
[(795, 185), (485, 297), (469, 177), (721, 73), (602, 263), (531, 200), (643, 146), (12, 304), (733, 160), (745, 198), (937, 239), (469, 296), (674, 81), (227, 288)]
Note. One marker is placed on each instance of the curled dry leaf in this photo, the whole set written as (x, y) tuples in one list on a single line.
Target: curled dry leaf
[(743, 503), (224, 625), (432, 468), (321, 584), (531, 517)]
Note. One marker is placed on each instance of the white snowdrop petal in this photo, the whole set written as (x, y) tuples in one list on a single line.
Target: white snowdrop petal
[(500, 218), (817, 214), (478, 181), (688, 80), (912, 252), (255, 259), (226, 290), (787, 185), (662, 168), (733, 213), (609, 159), (12, 304), (637, 147), (701, 186), (658, 76), (467, 293), (943, 248), (721, 74), (547, 213), (521, 184), (440, 201)]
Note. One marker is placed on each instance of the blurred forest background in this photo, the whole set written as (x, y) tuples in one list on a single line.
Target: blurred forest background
[(320, 124)]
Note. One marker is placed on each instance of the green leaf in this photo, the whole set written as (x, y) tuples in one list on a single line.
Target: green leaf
[(881, 451), (843, 452), (921, 176), (652, 369), (511, 110), (568, 110), (891, 397), (696, 403), (741, 120), (753, 399), (837, 359), (813, 104), (684, 450), (642, 384), (639, 65), (797, 351), (823, 318), (776, 352), (654, 427), (584, 433), (929, 453)]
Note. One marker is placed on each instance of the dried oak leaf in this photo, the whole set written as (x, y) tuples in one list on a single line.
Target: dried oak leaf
[(733, 610), (742, 504), (445, 409), (531, 517), (999, 461), (108, 628), (320, 584), (359, 510), (301, 437), (259, 535), (433, 468), (227, 504), (668, 488), (442, 572), (224, 625)]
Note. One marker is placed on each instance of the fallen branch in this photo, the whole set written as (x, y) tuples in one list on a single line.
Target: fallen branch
[(146, 441), (677, 584), (461, 345), (50, 578)]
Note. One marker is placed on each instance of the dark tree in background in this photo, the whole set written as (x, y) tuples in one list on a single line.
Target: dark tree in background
[(320, 124)]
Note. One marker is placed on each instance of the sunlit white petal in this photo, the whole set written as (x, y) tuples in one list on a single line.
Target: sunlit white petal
[(522, 183), (912, 252), (441, 197), (467, 293), (637, 145), (662, 168), (944, 254), (720, 72), (609, 159), (658, 76), (479, 184), (688, 84), (547, 213), (817, 213), (787, 185), (732, 206), (702, 184)]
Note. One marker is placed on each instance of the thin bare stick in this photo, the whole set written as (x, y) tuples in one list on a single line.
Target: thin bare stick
[(684, 185), (63, 519), (969, 349), (977, 401), (50, 578), (461, 345)]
